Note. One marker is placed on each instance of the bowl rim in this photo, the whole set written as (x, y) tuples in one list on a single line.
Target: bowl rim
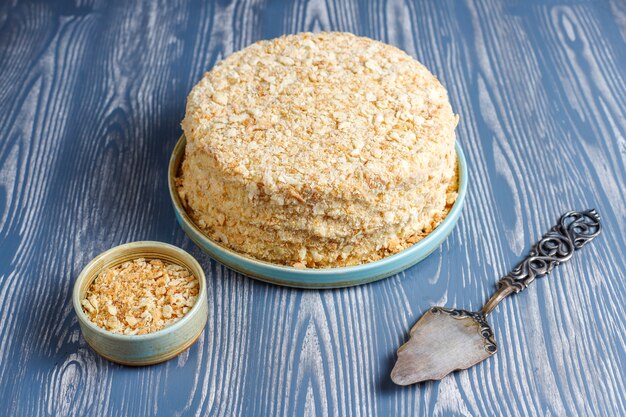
[(449, 221), (153, 245)]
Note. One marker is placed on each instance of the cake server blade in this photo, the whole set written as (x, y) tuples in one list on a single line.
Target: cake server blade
[(444, 340)]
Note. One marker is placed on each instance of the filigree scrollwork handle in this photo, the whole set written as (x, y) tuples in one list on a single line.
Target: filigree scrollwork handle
[(573, 231)]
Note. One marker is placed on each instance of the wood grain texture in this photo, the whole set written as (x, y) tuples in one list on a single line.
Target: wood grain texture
[(91, 96)]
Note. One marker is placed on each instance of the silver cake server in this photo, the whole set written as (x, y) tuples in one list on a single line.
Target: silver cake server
[(444, 340)]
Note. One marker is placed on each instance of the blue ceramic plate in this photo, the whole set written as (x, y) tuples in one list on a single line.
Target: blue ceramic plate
[(316, 277)]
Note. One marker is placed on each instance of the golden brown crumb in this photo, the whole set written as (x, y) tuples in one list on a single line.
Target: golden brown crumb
[(140, 296)]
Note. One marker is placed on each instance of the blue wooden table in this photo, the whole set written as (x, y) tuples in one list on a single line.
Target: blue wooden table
[(91, 96)]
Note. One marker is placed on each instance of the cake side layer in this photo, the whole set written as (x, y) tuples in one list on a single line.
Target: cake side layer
[(296, 231)]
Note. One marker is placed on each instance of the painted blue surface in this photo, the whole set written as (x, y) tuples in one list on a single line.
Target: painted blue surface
[(91, 97)]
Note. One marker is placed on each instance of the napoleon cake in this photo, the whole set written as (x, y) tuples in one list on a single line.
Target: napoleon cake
[(318, 150)]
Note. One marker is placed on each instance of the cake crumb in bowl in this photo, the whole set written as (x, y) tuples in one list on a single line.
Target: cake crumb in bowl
[(140, 296)]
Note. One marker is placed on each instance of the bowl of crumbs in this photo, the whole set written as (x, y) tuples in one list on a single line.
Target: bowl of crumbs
[(318, 160), (141, 303)]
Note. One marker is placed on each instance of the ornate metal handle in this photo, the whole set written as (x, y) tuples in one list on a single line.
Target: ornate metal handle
[(573, 231)]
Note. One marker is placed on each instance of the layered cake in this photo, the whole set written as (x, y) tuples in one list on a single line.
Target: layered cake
[(318, 150)]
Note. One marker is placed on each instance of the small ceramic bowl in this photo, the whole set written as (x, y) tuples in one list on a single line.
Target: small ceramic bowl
[(151, 348), (315, 277)]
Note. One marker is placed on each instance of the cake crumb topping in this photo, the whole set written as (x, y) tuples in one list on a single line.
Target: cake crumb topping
[(318, 150)]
